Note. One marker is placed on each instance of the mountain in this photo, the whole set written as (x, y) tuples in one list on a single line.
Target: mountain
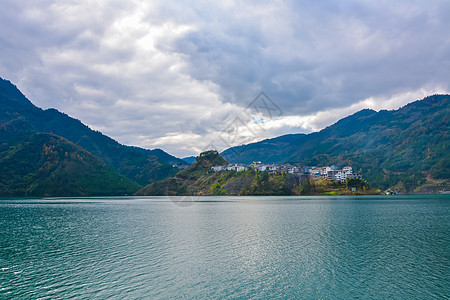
[(187, 181), (189, 160), (24, 119), (406, 148), (44, 164)]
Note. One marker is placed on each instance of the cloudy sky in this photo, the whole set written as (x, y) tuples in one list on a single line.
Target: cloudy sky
[(184, 76)]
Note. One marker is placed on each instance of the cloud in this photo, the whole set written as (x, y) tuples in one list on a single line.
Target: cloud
[(323, 54), (176, 75)]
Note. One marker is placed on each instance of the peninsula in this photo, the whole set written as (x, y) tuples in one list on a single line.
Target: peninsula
[(211, 174)]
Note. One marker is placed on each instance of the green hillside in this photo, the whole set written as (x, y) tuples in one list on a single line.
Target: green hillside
[(405, 148), (198, 179), (48, 165), (185, 182), (23, 118)]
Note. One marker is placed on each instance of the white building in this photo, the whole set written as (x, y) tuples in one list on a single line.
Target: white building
[(273, 167), (262, 168), (347, 170), (341, 175), (258, 166), (314, 171), (218, 168), (324, 170), (232, 167), (236, 167)]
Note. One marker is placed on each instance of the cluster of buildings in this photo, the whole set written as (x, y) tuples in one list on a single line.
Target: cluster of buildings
[(258, 166), (232, 167), (314, 173), (329, 173)]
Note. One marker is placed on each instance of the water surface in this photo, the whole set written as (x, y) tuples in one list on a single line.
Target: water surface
[(226, 247)]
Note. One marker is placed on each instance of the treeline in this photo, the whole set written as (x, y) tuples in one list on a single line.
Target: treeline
[(353, 186)]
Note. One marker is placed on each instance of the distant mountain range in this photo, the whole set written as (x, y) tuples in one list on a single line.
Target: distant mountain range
[(190, 160), (26, 130), (408, 148), (48, 153)]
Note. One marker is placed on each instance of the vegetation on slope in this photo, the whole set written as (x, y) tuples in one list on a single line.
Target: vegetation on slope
[(48, 165), (406, 148), (183, 182), (24, 119), (200, 180), (354, 186)]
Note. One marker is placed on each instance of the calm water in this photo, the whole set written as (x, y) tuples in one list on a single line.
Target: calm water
[(226, 247)]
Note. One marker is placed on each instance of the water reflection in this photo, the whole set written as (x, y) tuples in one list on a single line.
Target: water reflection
[(225, 247)]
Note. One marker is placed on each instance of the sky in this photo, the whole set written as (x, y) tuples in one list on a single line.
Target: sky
[(188, 76)]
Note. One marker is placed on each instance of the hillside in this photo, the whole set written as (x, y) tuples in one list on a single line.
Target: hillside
[(48, 165), (184, 183), (199, 179), (405, 148), (23, 119)]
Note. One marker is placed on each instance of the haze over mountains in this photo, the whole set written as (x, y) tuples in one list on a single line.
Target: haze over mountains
[(46, 152)]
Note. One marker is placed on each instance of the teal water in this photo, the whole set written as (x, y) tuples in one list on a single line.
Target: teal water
[(394, 247)]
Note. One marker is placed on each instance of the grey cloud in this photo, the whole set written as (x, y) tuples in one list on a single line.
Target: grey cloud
[(332, 54), (186, 69)]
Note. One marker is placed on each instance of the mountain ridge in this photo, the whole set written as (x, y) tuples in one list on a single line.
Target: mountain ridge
[(48, 165), (140, 165), (403, 148)]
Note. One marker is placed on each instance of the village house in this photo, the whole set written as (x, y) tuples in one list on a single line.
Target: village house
[(237, 167), (231, 167), (342, 175), (218, 168), (311, 172), (258, 166)]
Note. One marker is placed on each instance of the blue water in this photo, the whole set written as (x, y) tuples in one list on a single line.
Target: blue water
[(380, 247)]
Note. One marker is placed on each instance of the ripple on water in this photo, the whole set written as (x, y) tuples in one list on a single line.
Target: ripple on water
[(293, 248)]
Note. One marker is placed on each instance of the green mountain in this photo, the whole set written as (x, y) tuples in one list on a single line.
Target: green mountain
[(44, 164), (189, 160), (406, 148), (23, 119), (185, 182)]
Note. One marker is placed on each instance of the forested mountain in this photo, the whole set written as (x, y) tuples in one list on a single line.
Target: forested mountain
[(46, 152), (20, 120), (406, 148), (48, 165), (189, 160)]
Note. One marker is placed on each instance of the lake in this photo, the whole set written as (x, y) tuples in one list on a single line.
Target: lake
[(395, 247)]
